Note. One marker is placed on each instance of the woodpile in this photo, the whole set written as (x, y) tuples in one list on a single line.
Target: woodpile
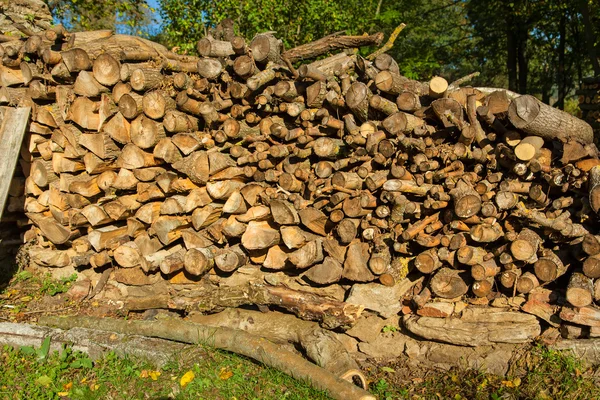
[(23, 18), (240, 177)]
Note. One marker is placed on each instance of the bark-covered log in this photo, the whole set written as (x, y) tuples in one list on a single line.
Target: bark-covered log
[(536, 118)]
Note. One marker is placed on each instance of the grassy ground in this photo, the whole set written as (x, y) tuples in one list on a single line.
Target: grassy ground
[(204, 373), (28, 373), (200, 374), (541, 374)]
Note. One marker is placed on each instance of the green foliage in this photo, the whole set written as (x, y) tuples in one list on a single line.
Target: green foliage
[(53, 287), (295, 22), (41, 353), (436, 29), (22, 276), (389, 328), (127, 16)]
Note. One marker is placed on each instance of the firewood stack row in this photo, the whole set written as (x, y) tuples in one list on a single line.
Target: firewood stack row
[(589, 101), (337, 172)]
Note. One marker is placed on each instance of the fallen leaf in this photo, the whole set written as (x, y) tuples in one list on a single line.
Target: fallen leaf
[(512, 384), (154, 375), (387, 369), (187, 378), (225, 374), (63, 394), (68, 386), (44, 380), (144, 373)]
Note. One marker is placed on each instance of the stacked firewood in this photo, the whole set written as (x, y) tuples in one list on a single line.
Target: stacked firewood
[(336, 172)]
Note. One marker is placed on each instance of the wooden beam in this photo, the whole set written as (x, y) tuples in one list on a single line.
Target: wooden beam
[(12, 132)]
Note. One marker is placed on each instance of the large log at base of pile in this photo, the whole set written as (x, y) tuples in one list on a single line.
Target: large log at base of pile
[(337, 174), (320, 345), (477, 327), (234, 340), (331, 314)]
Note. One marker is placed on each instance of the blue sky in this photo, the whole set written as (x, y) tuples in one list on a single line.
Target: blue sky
[(154, 4)]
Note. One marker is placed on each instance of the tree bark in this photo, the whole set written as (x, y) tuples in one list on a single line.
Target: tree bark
[(329, 44), (536, 118), (228, 339)]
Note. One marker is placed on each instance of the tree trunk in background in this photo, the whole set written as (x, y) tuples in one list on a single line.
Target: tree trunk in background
[(523, 62), (546, 86), (560, 76), (511, 60), (590, 36)]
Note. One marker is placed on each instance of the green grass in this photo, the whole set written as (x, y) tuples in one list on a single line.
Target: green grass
[(29, 373), (544, 374), (55, 286)]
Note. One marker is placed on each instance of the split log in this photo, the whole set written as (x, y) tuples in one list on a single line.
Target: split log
[(549, 267), (107, 70), (580, 290), (448, 284), (355, 265)]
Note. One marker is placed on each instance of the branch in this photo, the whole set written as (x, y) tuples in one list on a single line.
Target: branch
[(432, 10), (389, 44), (233, 340), (456, 84), (330, 43), (487, 90)]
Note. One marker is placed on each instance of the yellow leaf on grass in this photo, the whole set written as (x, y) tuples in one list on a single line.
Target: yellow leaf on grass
[(512, 384), (154, 375), (225, 374), (63, 394), (68, 386), (187, 378), (44, 380)]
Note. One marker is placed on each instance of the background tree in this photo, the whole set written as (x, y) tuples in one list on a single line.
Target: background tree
[(127, 16), (437, 30)]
